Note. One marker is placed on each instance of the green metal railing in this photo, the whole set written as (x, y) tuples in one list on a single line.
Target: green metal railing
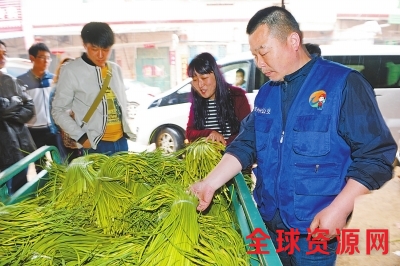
[(32, 186), (249, 218), (246, 211)]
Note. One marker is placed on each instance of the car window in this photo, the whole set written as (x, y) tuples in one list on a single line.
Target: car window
[(229, 71), (180, 96), (382, 71)]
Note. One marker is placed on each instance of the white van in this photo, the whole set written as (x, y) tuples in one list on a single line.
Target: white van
[(163, 119)]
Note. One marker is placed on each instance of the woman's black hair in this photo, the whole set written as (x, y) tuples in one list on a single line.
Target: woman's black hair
[(205, 63)]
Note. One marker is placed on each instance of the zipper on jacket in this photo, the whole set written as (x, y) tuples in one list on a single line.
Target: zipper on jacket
[(281, 140), (284, 119), (278, 177)]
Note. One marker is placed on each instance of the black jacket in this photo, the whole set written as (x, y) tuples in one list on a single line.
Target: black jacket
[(16, 108)]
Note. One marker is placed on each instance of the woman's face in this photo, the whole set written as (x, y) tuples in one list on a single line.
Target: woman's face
[(205, 85)]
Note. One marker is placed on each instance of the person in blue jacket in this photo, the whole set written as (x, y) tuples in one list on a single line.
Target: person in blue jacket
[(312, 159)]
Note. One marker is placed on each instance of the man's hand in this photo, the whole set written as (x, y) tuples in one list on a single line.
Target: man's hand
[(335, 215), (329, 219), (204, 192)]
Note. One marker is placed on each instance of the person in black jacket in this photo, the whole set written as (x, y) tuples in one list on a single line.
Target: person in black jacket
[(16, 108)]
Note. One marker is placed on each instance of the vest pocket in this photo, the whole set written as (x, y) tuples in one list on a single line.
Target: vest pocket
[(315, 186), (262, 126), (311, 135)]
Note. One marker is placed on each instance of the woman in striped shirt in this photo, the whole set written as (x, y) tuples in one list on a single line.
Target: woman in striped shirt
[(217, 106)]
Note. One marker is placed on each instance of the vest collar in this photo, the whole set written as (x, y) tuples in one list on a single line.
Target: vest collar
[(303, 71)]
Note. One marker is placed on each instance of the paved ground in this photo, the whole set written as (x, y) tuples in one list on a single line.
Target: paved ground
[(377, 210)]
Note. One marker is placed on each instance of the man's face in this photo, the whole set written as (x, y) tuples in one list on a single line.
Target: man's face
[(98, 55), (274, 57), (3, 56), (41, 61)]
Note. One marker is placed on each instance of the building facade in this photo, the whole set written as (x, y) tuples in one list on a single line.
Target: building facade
[(156, 39)]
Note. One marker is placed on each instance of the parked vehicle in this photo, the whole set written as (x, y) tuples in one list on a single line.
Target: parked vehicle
[(162, 120), (135, 86), (137, 92), (16, 66), (380, 64)]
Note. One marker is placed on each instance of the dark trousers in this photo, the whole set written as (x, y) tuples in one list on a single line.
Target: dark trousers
[(300, 257), (17, 181), (66, 154), (44, 136), (73, 153)]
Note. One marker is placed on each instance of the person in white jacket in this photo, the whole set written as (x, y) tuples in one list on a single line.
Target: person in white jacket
[(78, 85)]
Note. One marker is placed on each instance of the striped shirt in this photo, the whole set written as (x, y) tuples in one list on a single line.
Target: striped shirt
[(212, 121)]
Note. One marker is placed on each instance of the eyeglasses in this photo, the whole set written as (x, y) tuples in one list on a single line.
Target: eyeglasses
[(44, 58)]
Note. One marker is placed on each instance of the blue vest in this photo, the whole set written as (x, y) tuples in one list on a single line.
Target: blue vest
[(301, 168)]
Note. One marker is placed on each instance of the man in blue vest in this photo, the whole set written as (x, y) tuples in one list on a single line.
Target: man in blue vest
[(317, 136)]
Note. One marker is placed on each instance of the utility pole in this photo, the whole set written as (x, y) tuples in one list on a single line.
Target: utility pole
[(283, 3)]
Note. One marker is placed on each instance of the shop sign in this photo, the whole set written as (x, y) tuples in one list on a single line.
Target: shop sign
[(394, 18), (10, 16)]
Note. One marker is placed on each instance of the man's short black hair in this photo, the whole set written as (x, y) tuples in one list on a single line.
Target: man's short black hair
[(35, 48), (279, 21), (240, 70), (98, 33), (1, 42)]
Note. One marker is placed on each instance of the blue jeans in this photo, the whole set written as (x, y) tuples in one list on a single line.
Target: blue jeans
[(300, 258), (110, 147)]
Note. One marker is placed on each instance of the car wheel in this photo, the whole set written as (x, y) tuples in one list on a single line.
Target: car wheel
[(169, 140)]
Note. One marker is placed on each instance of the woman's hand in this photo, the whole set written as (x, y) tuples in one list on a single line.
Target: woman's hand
[(216, 136)]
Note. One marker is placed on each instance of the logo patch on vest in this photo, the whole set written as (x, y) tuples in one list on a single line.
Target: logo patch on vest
[(318, 99), (262, 110)]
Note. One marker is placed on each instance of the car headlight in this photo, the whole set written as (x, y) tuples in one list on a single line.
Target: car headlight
[(132, 109)]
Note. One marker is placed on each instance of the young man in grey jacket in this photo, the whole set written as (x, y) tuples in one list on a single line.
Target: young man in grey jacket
[(80, 82)]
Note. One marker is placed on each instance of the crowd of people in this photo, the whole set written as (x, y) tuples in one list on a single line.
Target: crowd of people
[(85, 100), (315, 136)]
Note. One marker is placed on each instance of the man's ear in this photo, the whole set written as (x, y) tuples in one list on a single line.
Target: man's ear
[(32, 58), (294, 40)]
